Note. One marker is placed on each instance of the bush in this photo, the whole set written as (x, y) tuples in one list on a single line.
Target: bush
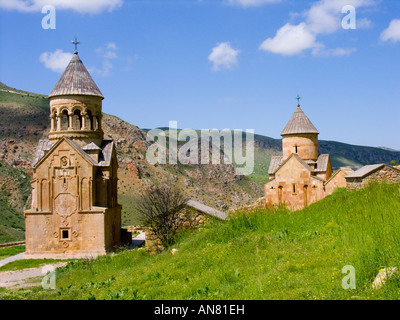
[(158, 208)]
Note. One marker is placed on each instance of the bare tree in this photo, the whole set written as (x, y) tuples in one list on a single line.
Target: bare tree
[(158, 207)]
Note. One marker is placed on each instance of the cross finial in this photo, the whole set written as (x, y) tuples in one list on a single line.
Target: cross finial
[(76, 45), (298, 100)]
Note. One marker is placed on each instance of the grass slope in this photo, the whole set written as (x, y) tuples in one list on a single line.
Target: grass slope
[(14, 191), (262, 255)]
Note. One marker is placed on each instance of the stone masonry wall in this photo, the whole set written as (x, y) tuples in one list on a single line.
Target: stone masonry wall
[(187, 220), (386, 174)]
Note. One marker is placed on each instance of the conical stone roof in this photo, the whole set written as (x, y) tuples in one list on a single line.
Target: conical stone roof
[(76, 80), (299, 123)]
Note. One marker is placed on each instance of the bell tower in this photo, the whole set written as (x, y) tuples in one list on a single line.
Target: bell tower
[(300, 137), (76, 106)]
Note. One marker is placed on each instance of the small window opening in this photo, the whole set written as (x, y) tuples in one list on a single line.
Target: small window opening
[(294, 188), (295, 148), (65, 234)]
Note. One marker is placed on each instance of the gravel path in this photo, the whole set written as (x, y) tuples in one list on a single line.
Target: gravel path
[(11, 259), (17, 279)]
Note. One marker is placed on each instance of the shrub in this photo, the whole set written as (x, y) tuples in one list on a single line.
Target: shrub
[(158, 208)]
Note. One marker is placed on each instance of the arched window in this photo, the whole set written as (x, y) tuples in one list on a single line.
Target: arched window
[(53, 121), (64, 120), (89, 120), (280, 194), (77, 122), (305, 190)]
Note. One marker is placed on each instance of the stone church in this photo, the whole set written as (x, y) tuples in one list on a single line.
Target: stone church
[(74, 210), (301, 175)]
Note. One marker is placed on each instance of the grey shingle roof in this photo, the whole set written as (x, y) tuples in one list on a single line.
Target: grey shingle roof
[(107, 147), (274, 164), (206, 209), (41, 149), (322, 163), (76, 80), (299, 123), (83, 153), (91, 146), (362, 172)]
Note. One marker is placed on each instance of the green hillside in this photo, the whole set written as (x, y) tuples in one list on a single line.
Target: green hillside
[(14, 191), (259, 255), (19, 118)]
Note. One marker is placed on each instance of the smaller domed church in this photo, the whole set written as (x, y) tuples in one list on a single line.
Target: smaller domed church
[(74, 210), (301, 175)]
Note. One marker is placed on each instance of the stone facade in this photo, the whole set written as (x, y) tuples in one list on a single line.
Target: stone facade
[(373, 173), (305, 145), (301, 176), (74, 210), (337, 180), (294, 185), (77, 117)]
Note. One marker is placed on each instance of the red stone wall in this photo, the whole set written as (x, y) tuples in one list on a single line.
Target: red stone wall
[(293, 186), (307, 146)]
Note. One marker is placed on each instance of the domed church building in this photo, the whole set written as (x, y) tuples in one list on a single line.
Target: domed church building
[(301, 175), (74, 210)]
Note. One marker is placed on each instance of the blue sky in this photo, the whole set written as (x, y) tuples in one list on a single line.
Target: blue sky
[(236, 64)]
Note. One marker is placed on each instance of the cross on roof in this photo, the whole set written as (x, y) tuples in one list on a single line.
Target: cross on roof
[(298, 100), (76, 44)]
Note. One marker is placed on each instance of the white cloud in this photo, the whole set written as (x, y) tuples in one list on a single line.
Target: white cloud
[(109, 52), (104, 71), (56, 61), (82, 6), (290, 40), (106, 53), (251, 3), (321, 51), (392, 33), (323, 17), (112, 46), (223, 56), (364, 23)]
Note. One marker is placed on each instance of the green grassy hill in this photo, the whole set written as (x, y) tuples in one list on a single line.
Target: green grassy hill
[(23, 118), (261, 255)]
